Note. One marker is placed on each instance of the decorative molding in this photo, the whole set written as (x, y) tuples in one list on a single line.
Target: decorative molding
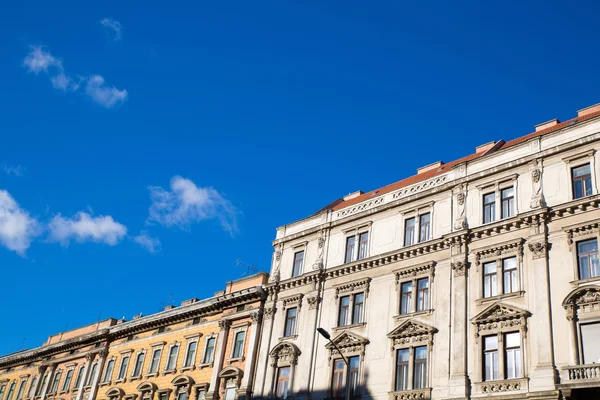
[(224, 324), (574, 232), (539, 249), (351, 287), (348, 343), (582, 300), (411, 332), (414, 394), (255, 316), (499, 317), (269, 312), (295, 300), (507, 249), (537, 196), (460, 222), (284, 354), (425, 269), (506, 385), (360, 207), (420, 187), (313, 302), (459, 268)]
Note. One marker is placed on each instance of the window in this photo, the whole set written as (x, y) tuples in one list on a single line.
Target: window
[(290, 322), (423, 294), (155, 362), (582, 181), (363, 245), (509, 268), (238, 349), (337, 385), (587, 259), (44, 379), (2, 390), (358, 308), (402, 369), (283, 383), (298, 263), (29, 392), (508, 202), (24, 382), (512, 355), (122, 369), (190, 356), (92, 375), (107, 374), (489, 208), (409, 232), (11, 390), (54, 386), (424, 227), (182, 396), (139, 363), (490, 362), (339, 376), (406, 299), (589, 343), (350, 244), (344, 311), (210, 350), (354, 369), (490, 287), (420, 368), (172, 359)]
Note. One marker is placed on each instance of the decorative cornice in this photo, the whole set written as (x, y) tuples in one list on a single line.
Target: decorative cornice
[(295, 300), (413, 271), (575, 231), (362, 284), (360, 207), (512, 248)]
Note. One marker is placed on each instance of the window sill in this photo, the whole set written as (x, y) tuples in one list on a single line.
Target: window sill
[(579, 282), (424, 394), (500, 385), (122, 380), (232, 360), (107, 383), (169, 371), (135, 378), (205, 365), (188, 368), (87, 387), (491, 299), (339, 328), (292, 337), (400, 317), (151, 375), (63, 392)]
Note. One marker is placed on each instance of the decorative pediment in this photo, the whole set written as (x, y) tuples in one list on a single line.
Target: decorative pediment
[(500, 317), (355, 286), (411, 332), (147, 386), (183, 381), (349, 343), (284, 354), (292, 301), (115, 392), (425, 269), (581, 300), (231, 375), (491, 253)]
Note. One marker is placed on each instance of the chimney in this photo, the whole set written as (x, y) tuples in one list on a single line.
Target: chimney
[(352, 195), (547, 124), (484, 147), (588, 110), (429, 167), (190, 301)]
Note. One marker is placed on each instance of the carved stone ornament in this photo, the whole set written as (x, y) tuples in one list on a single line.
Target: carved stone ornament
[(574, 232), (582, 300), (276, 275), (312, 301), (284, 354), (295, 300), (269, 312), (538, 249), (224, 324), (411, 332), (537, 197), (460, 222), (514, 248), (499, 317), (426, 269), (502, 386), (350, 287), (348, 343), (459, 268), (255, 316)]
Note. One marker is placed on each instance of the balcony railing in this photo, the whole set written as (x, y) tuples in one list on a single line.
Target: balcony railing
[(416, 394), (580, 373)]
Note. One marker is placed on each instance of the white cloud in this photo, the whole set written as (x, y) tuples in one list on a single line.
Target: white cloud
[(85, 228), (17, 227), (187, 203), (14, 170), (112, 27), (39, 60), (64, 83), (103, 94), (148, 242)]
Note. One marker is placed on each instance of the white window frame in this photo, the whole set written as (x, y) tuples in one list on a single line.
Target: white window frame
[(125, 353), (578, 160), (416, 212), (138, 354), (355, 232), (413, 274), (167, 369), (351, 289), (497, 187), (235, 329), (203, 361), (109, 380), (294, 301), (195, 338), (297, 248), (155, 347)]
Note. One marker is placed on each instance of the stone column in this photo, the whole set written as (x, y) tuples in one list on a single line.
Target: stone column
[(251, 353), (101, 360), (261, 383), (48, 381), (459, 382), (219, 359), (86, 369), (40, 379)]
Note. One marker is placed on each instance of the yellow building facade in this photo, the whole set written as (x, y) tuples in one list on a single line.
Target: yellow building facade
[(200, 350)]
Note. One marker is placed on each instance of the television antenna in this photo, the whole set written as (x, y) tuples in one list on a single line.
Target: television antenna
[(250, 268)]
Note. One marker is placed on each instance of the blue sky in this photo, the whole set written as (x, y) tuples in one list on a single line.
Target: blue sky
[(146, 146)]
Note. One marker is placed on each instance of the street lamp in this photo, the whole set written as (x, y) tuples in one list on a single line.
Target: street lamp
[(327, 336)]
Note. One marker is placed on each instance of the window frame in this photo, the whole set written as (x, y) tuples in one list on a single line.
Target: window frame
[(287, 330), (122, 373), (142, 354), (176, 346), (23, 384), (279, 380), (350, 290), (191, 339), (413, 274), (205, 362), (578, 160), (284, 354), (498, 253), (355, 234), (300, 270), (415, 213), (106, 377), (234, 345), (496, 187), (578, 233), (340, 393)]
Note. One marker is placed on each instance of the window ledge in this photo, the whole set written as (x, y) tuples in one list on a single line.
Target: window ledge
[(188, 368), (169, 371), (501, 386), (580, 282), (87, 387), (104, 383), (63, 392), (135, 378), (232, 360), (424, 394), (122, 380), (491, 299), (292, 337), (205, 365), (151, 375), (400, 317), (360, 325)]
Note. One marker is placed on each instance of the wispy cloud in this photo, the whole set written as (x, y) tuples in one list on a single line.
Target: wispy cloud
[(187, 203), (148, 242), (82, 227), (112, 27), (17, 170), (17, 227), (41, 60)]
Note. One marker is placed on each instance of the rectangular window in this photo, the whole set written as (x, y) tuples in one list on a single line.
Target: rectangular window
[(354, 362), (122, 369), (2, 390), (424, 227), (358, 307), (589, 343), (337, 384), (509, 268), (210, 350), (423, 294), (512, 355), (238, 349), (298, 263), (344, 311), (420, 368), (490, 287), (582, 181), (31, 387), (587, 256), (54, 386), (11, 391), (409, 232), (402, 369), (283, 383), (290, 322), (107, 373), (45, 378), (139, 363), (190, 357), (350, 244), (363, 245), (508, 202), (489, 208), (155, 362), (92, 375), (24, 382), (490, 357), (172, 359), (406, 298)]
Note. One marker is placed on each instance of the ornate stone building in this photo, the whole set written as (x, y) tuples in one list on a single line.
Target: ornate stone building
[(477, 278), (201, 350)]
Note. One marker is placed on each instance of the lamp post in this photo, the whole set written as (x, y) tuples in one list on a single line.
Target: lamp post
[(327, 336)]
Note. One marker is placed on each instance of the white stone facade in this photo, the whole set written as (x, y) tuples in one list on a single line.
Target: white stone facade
[(536, 312)]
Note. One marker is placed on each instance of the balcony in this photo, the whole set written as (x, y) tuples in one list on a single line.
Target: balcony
[(416, 394), (581, 376), (501, 386)]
